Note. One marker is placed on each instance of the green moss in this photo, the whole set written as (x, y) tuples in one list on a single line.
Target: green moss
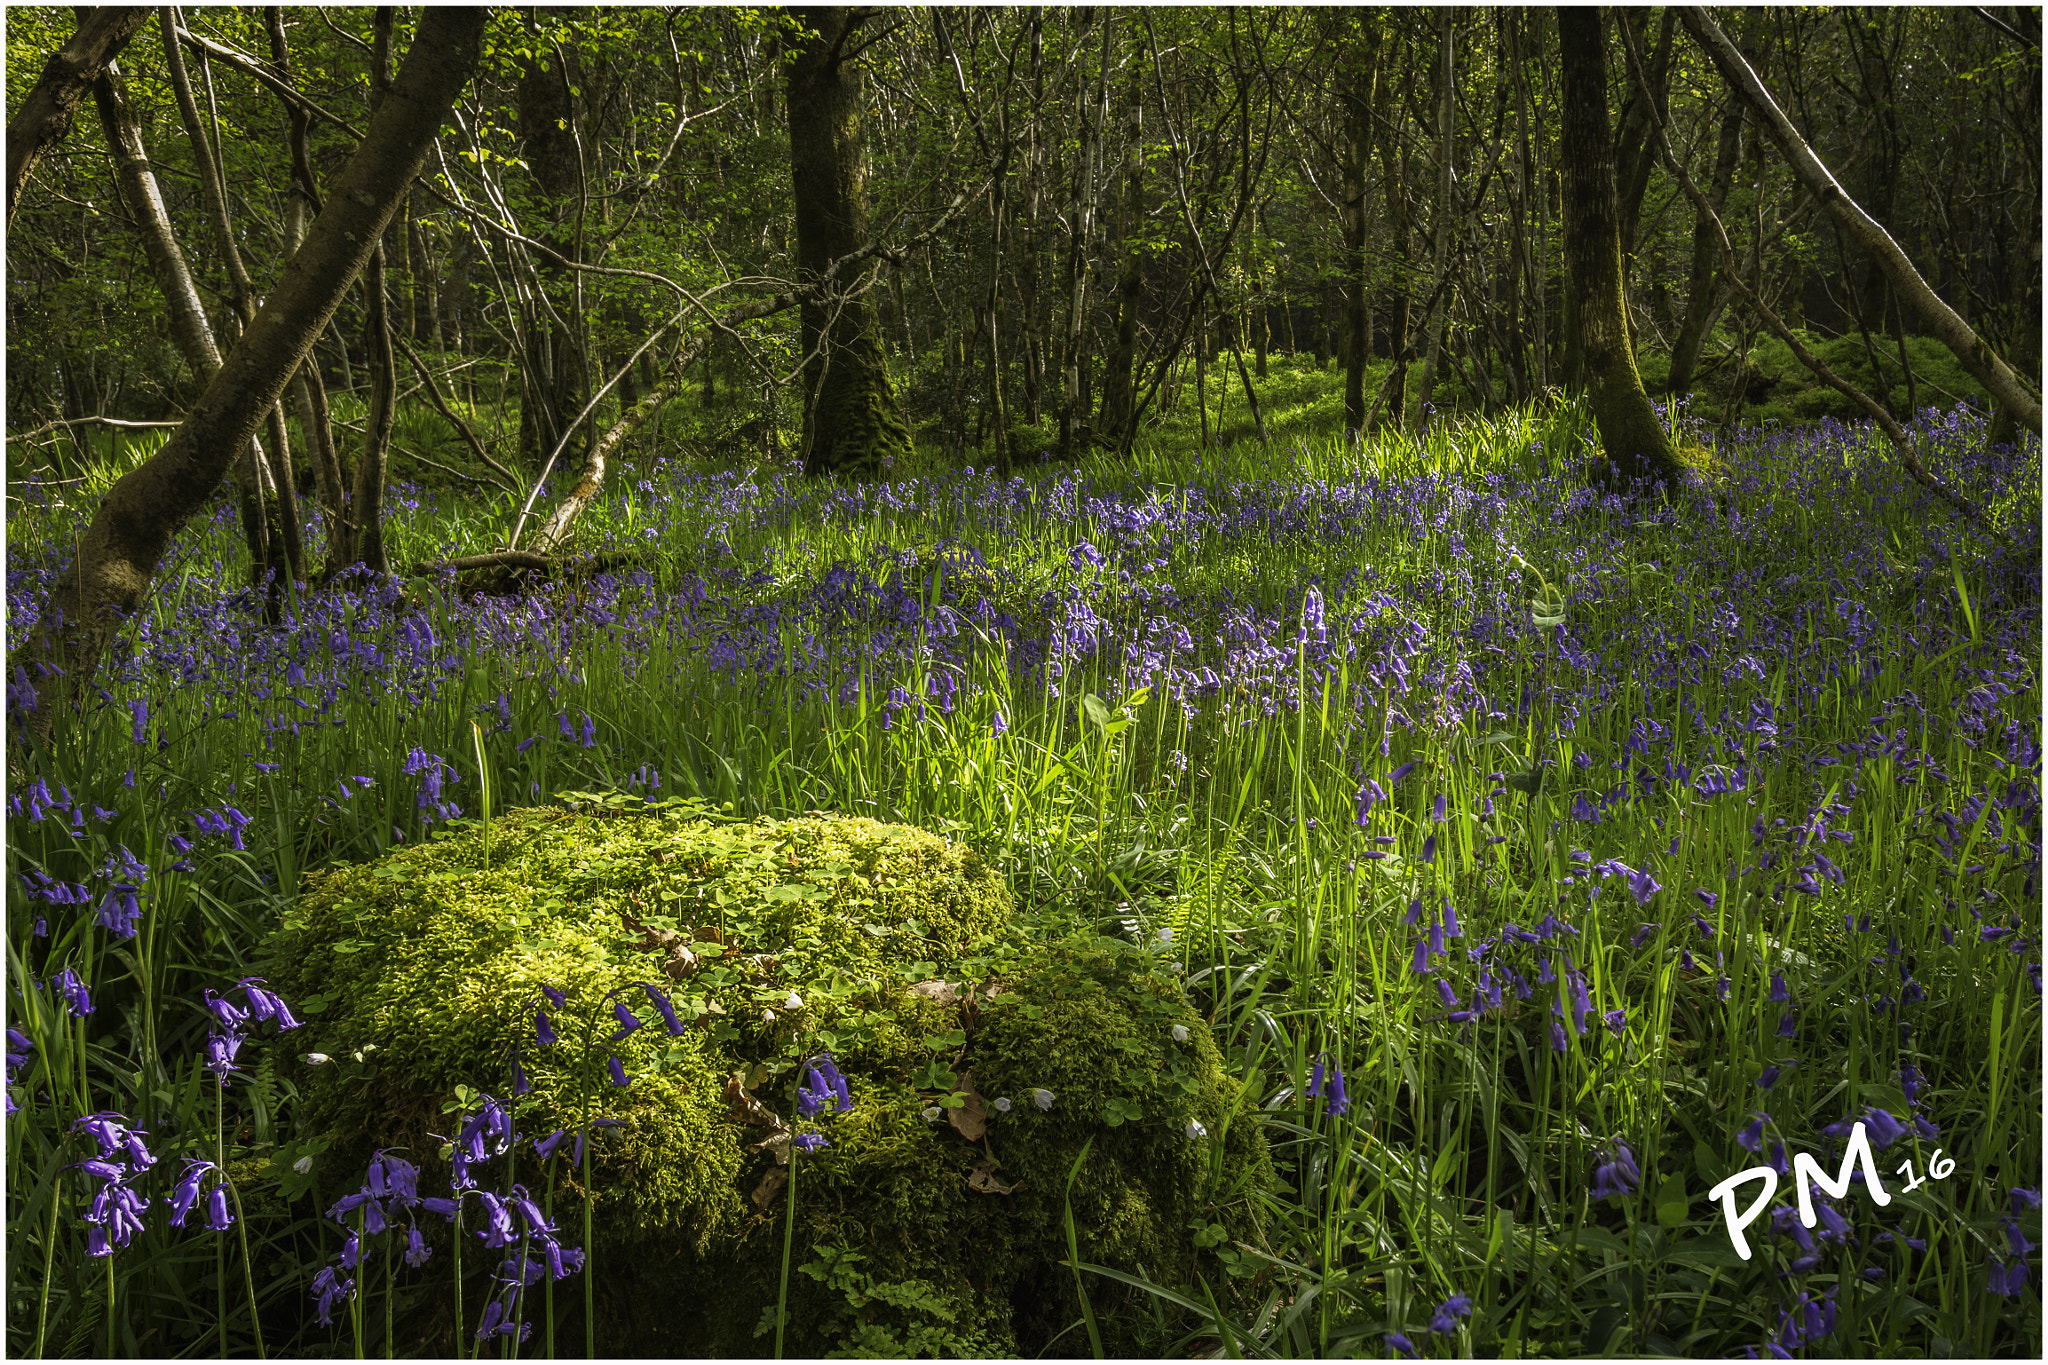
[(434, 965)]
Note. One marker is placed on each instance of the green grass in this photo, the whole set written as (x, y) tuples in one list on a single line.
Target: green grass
[(1817, 604)]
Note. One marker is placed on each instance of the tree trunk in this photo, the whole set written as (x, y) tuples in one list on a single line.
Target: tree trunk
[(45, 116), (1635, 441), (1073, 410), (143, 512), (362, 542), (851, 422), (1703, 294), (1394, 174), (1976, 356), (1361, 98), (556, 373), (189, 327), (283, 527), (1119, 373), (1445, 227)]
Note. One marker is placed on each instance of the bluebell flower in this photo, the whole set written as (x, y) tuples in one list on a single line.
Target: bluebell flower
[(1401, 1344), (186, 1193), (1445, 1319), (663, 1006), (1619, 1176), (810, 1142), (1751, 1139), (2017, 1240), (221, 1049), (628, 1021), (1779, 994), (76, 998), (543, 1030), (1642, 935), (1429, 849), (329, 1288), (1884, 1128), (2024, 1200), (618, 1072), (1769, 1078), (416, 1249), (1788, 1024)]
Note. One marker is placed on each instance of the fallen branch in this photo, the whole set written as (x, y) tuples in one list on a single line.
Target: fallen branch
[(527, 560)]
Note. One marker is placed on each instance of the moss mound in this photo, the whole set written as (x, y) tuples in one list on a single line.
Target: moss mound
[(935, 1220)]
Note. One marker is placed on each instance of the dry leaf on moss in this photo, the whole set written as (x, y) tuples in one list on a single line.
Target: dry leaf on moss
[(945, 993), (970, 1120), (983, 1179), (770, 1186)]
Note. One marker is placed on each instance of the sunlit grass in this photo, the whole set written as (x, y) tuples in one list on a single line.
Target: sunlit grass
[(1705, 690)]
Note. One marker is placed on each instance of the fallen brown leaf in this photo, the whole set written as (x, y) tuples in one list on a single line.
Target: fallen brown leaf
[(944, 992), (970, 1120), (770, 1186), (983, 1179)]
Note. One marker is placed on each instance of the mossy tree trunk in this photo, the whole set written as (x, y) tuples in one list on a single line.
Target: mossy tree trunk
[(1630, 432), (851, 421)]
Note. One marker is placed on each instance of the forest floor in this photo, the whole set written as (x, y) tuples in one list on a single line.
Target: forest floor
[(1606, 851)]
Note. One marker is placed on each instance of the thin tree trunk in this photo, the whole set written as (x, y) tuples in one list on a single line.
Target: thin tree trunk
[(1394, 174), (189, 328), (1073, 415), (1439, 313), (1703, 294), (142, 513), (1362, 97), (1119, 372), (214, 191)]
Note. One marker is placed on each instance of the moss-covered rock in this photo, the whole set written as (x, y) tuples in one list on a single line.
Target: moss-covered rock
[(910, 1238)]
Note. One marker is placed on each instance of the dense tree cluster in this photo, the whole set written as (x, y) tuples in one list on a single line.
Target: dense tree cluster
[(992, 230)]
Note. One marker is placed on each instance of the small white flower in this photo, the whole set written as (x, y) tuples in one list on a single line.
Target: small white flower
[(304, 1165), (1180, 1033), (1003, 1105), (1196, 1130), (1165, 936), (317, 1059), (931, 1115), (767, 1016), (1042, 1098), (795, 1002)]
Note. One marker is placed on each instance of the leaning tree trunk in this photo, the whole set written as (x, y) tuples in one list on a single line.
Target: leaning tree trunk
[(1976, 355), (190, 330), (45, 115), (851, 422), (1635, 440), (143, 512)]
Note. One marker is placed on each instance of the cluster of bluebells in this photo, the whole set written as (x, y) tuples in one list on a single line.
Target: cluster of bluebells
[(432, 771), (629, 1023), (1328, 1086), (115, 1214), (1807, 1320), (1618, 1175), (1443, 1321), (2008, 1274), (20, 1047), (232, 1023), (822, 1089)]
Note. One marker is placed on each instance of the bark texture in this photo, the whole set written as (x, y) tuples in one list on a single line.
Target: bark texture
[(45, 116), (143, 512), (851, 421), (1631, 434)]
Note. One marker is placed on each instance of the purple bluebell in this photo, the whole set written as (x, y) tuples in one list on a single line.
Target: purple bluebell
[(1618, 1176), (76, 998), (628, 1021), (1444, 1320)]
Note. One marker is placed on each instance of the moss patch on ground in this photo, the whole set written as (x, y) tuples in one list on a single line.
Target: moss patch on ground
[(935, 1220)]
